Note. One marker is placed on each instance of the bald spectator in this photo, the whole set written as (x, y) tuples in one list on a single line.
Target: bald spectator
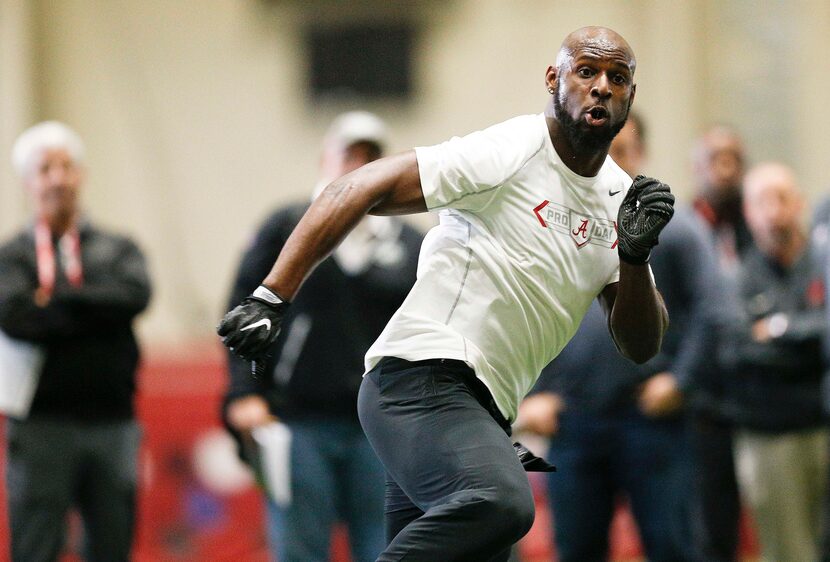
[(775, 351), (718, 159)]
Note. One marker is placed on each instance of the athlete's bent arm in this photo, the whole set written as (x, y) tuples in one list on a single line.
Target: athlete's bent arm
[(389, 186), (385, 187), (636, 314), (637, 317)]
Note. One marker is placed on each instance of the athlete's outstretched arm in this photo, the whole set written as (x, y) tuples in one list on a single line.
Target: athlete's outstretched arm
[(636, 314), (389, 186)]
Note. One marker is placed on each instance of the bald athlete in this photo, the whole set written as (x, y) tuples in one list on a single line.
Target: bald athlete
[(535, 222)]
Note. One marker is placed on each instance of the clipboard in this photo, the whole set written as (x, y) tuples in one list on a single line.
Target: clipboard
[(274, 440), (20, 366)]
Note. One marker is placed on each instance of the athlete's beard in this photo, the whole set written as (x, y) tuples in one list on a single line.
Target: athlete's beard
[(581, 137)]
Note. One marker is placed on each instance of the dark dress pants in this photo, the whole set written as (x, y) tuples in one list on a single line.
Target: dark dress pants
[(601, 456), (716, 509), (54, 465)]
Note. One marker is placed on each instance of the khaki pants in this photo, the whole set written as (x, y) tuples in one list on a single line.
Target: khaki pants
[(783, 477)]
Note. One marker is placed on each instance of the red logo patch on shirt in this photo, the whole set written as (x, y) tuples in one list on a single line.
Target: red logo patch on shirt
[(581, 228)]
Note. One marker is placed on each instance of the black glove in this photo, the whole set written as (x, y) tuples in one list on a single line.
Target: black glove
[(251, 328), (531, 462), (647, 208)]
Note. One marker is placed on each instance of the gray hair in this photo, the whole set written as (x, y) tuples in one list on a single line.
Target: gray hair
[(44, 136)]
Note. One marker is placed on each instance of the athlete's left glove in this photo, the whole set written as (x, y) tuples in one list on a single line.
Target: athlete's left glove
[(531, 462), (251, 328), (646, 209)]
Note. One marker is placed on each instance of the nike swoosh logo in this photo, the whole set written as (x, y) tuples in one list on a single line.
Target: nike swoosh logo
[(264, 322), (613, 193)]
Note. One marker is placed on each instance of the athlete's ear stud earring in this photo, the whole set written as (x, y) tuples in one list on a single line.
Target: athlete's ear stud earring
[(550, 90)]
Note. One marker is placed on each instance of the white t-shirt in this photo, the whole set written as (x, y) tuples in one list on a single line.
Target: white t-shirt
[(523, 246)]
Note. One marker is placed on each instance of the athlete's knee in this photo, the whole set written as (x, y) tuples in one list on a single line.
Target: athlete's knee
[(512, 510)]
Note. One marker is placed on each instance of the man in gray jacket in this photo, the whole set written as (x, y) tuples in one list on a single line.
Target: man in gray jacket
[(775, 351)]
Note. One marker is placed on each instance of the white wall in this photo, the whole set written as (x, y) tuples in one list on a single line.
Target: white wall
[(197, 123), (16, 101)]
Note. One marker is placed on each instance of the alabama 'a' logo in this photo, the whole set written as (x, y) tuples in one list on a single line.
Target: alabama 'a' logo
[(583, 229)]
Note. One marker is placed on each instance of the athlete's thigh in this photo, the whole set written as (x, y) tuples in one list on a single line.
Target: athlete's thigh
[(433, 436), (399, 510)]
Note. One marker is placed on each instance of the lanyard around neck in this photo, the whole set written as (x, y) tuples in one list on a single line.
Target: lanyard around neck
[(69, 246)]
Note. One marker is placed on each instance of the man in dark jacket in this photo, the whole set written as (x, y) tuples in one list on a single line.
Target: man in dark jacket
[(312, 377), (73, 290), (774, 348), (719, 161)]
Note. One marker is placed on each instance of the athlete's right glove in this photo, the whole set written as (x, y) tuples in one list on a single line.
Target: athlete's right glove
[(646, 209), (251, 328)]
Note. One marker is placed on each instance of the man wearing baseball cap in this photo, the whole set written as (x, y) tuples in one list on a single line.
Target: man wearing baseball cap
[(306, 391)]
